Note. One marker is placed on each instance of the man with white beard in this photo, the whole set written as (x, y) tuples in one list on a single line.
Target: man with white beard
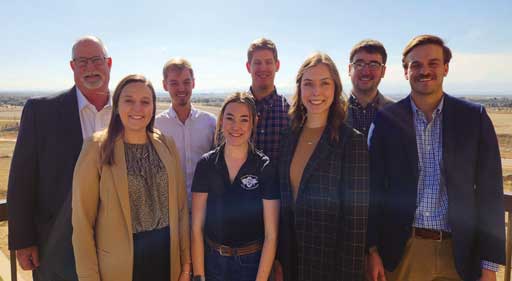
[(50, 138)]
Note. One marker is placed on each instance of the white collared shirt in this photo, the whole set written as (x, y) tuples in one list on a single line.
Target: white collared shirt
[(193, 139), (91, 119)]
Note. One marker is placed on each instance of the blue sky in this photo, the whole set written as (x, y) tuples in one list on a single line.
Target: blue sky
[(214, 35)]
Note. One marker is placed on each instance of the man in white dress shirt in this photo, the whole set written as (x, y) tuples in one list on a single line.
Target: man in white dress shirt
[(50, 138), (192, 129)]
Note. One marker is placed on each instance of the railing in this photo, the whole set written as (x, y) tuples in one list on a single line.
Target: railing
[(508, 211), (3, 217)]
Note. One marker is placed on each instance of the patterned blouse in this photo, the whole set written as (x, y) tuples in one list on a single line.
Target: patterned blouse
[(147, 187)]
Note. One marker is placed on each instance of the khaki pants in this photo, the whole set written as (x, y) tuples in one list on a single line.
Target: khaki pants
[(426, 260)]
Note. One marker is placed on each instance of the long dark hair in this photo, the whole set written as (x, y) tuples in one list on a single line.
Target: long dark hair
[(337, 110), (116, 127)]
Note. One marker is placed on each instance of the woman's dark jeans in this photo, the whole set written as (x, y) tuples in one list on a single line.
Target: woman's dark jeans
[(235, 268)]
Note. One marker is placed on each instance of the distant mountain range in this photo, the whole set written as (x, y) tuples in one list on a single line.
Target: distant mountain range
[(216, 93)]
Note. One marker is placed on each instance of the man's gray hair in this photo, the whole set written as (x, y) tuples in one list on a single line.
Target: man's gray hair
[(89, 38)]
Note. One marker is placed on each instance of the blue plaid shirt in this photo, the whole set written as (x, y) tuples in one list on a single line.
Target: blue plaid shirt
[(432, 199), (272, 119)]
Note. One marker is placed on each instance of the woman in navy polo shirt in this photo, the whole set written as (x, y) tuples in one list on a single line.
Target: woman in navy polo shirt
[(235, 202)]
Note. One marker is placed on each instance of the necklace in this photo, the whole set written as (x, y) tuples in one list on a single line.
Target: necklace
[(311, 136)]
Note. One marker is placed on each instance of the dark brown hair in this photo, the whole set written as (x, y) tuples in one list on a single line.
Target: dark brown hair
[(238, 97), (337, 111), (371, 47), (116, 127), (426, 39)]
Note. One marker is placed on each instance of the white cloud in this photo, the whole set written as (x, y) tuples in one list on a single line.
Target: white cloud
[(485, 68)]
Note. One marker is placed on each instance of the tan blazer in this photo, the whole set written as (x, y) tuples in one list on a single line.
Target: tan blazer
[(102, 224)]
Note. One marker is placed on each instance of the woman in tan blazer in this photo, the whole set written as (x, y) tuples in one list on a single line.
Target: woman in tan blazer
[(130, 215)]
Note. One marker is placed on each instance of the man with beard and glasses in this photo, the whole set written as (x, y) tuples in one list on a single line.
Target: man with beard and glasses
[(367, 67), (192, 129), (436, 196), (50, 138), (262, 64)]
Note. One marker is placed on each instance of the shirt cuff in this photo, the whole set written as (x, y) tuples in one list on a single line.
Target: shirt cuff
[(490, 266)]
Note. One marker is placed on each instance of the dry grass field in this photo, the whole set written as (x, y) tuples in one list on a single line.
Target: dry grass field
[(9, 121), (503, 124), (10, 112), (6, 148)]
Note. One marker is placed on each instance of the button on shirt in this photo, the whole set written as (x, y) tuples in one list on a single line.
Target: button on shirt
[(272, 119), (193, 139), (91, 119), (432, 199), (362, 117)]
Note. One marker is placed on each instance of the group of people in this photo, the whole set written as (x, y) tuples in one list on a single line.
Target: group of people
[(324, 188)]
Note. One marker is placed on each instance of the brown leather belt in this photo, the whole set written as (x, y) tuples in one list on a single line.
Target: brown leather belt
[(430, 234), (227, 251)]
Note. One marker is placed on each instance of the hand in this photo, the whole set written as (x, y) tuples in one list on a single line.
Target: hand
[(488, 275), (28, 258), (278, 271), (184, 276), (374, 267)]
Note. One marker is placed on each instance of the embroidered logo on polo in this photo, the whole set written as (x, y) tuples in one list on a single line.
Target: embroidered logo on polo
[(249, 182)]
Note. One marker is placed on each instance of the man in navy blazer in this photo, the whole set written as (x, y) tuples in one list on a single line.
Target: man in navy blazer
[(436, 200), (49, 141)]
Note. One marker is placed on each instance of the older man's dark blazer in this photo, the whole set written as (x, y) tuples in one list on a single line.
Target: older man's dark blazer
[(471, 169), (322, 234), (39, 192)]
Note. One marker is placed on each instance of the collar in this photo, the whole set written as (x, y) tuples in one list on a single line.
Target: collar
[(268, 100), (218, 155), (376, 102), (83, 102), (417, 112), (194, 113)]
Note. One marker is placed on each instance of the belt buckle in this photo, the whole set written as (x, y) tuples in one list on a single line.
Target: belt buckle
[(224, 251)]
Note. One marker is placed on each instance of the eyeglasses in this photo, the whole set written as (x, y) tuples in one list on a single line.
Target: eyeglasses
[(373, 65), (96, 61)]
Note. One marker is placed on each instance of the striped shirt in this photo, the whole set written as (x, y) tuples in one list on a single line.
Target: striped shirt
[(432, 199), (272, 119)]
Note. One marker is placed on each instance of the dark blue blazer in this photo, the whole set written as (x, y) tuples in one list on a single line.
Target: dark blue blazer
[(472, 171), (39, 191)]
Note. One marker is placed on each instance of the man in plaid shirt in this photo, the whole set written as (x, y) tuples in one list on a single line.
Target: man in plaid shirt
[(367, 67), (262, 64)]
